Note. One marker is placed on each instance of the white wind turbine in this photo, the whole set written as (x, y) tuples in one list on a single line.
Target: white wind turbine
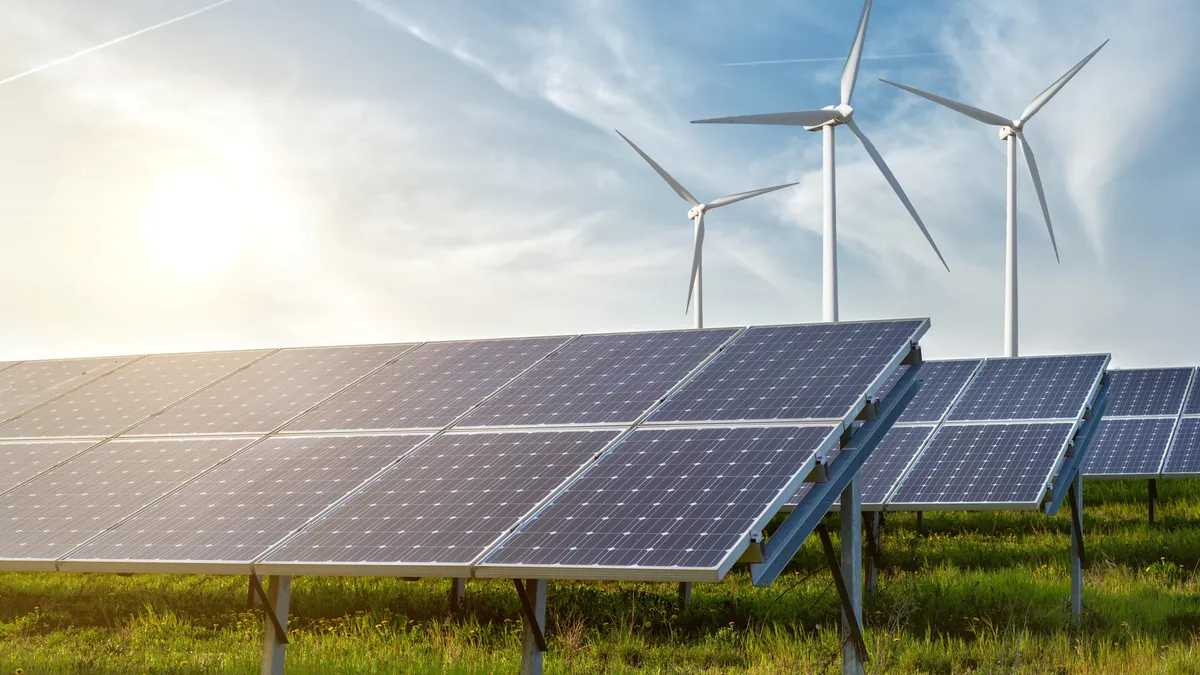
[(696, 214), (825, 120), (1012, 132)]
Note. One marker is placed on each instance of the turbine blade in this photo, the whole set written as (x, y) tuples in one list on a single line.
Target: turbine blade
[(850, 72), (679, 189), (799, 118), (735, 198), (970, 111), (1044, 97), (1037, 186), (695, 260), (891, 179)]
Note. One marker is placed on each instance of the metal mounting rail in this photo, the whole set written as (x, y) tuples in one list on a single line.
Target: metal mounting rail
[(800, 523), (1079, 446)]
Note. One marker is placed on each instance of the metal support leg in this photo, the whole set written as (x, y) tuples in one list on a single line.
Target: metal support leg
[(873, 527), (685, 595), (1153, 498), (533, 609), (854, 648), (1077, 553), (921, 522), (458, 594), (275, 605), (252, 602)]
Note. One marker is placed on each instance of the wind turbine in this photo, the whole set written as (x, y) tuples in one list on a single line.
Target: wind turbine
[(1012, 133), (696, 214), (825, 120)]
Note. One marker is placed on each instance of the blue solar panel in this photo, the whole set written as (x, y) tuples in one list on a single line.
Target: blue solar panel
[(1128, 448), (1184, 458), (666, 498), (1030, 388), (1192, 407), (883, 468), (600, 379), (941, 382), (1145, 392), (811, 372), (997, 465)]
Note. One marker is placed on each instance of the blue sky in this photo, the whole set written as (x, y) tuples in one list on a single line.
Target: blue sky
[(389, 170)]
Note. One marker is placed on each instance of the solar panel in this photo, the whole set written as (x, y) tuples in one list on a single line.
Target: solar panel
[(21, 461), (113, 403), (1146, 392), (27, 384), (600, 379), (1192, 407), (676, 500), (1184, 457), (429, 387), (1002, 466), (266, 395), (445, 503), (50, 515), (813, 372), (1039, 387), (5, 365), (239, 509), (941, 382), (1128, 448)]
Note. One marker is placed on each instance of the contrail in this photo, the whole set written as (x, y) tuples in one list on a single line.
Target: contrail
[(110, 43), (823, 59)]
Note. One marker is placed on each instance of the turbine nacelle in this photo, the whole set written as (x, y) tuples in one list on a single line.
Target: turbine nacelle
[(697, 211), (1011, 130), (844, 114)]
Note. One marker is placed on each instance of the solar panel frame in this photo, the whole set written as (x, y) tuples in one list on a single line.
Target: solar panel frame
[(71, 562), (1187, 430), (10, 429), (1116, 398), (486, 570), (1087, 401), (1106, 424), (439, 569), (873, 391), (1191, 400), (463, 423)]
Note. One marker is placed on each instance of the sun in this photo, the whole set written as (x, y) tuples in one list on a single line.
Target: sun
[(192, 224)]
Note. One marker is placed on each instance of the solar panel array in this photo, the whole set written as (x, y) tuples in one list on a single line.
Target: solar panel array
[(964, 441), (1143, 433), (421, 459)]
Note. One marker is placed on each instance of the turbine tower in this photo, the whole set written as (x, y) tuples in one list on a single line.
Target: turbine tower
[(1012, 132), (825, 120), (696, 214)]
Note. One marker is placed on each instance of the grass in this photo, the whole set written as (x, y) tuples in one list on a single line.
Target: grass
[(975, 593)]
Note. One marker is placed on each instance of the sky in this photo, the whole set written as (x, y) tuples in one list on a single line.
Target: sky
[(304, 172)]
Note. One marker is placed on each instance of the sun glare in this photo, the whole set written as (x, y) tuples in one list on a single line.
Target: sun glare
[(192, 224)]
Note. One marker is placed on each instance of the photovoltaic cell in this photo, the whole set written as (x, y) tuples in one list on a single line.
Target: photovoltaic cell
[(941, 382), (429, 387), (1004, 465), (448, 501), (23, 460), (1153, 391), (1192, 407), (682, 498), (50, 515), (1128, 448), (808, 372), (1184, 457), (239, 509), (115, 402), (264, 396), (599, 379), (1027, 388), (27, 384)]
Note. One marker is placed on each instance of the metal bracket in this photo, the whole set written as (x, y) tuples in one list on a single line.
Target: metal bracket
[(1077, 523), (787, 539), (539, 635), (835, 567), (1082, 441), (280, 631)]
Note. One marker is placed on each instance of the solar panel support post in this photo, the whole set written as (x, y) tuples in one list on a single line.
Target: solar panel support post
[(458, 594), (1077, 553), (275, 604), (873, 527), (685, 595), (854, 641), (921, 522), (1153, 486), (853, 646), (532, 594)]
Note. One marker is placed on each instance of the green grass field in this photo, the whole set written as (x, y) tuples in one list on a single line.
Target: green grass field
[(976, 593)]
